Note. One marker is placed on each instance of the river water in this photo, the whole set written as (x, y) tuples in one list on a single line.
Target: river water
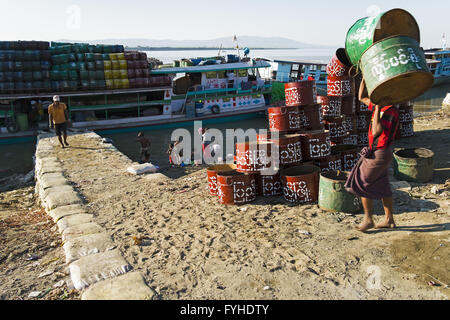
[(18, 158)]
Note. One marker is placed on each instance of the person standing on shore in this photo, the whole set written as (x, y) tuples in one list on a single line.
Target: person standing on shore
[(58, 118), (369, 179), (145, 147)]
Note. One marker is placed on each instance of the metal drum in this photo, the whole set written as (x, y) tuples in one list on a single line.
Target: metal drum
[(363, 138), (236, 188), (269, 185), (349, 155), (363, 121), (340, 65), (289, 148), (405, 112), (395, 70), (300, 93), (352, 138), (350, 122), (311, 117), (284, 119), (332, 162), (333, 196), (315, 144), (340, 86), (416, 165), (253, 157), (301, 184), (331, 106), (348, 106), (362, 108), (405, 130), (336, 127), (367, 31)]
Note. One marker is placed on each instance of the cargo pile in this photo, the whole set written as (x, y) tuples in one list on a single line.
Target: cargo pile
[(24, 66), (37, 67)]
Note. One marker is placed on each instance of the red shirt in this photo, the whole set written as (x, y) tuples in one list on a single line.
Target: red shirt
[(389, 121)]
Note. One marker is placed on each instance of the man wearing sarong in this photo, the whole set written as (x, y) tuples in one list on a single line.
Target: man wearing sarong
[(145, 147), (369, 179)]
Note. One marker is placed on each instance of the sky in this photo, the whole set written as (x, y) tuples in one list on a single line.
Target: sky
[(317, 22)]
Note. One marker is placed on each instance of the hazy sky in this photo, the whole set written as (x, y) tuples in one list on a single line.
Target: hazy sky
[(318, 22)]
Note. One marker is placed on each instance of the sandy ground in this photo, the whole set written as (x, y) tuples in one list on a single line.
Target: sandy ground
[(188, 246)]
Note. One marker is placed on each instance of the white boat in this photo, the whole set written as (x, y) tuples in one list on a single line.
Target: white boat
[(438, 61)]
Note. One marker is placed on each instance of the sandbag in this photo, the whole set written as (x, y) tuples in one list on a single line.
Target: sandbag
[(138, 169)]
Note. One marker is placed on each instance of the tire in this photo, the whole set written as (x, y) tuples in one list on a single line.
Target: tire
[(215, 109), (12, 127)]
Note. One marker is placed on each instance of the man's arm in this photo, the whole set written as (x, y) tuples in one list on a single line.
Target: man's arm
[(377, 127), (50, 119), (363, 95)]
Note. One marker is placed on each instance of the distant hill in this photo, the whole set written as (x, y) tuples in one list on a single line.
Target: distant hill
[(226, 42)]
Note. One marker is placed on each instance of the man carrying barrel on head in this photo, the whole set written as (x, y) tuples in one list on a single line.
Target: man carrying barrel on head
[(58, 118), (369, 179)]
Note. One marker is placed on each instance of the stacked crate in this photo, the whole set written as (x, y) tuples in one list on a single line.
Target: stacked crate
[(24, 67)]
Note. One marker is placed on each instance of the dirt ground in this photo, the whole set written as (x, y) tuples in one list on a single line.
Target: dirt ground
[(188, 246)]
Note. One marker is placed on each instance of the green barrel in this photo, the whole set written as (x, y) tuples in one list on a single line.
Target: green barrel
[(395, 70), (366, 31), (22, 121), (333, 196), (415, 165)]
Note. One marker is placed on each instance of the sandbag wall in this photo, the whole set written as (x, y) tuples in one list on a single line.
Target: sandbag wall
[(24, 67)]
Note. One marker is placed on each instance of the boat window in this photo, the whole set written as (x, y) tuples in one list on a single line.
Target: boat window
[(313, 67), (323, 77), (243, 73), (295, 67), (211, 75), (323, 68), (222, 74)]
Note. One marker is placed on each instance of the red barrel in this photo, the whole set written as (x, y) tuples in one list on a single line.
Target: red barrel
[(340, 86), (300, 93), (301, 184), (349, 155), (336, 127), (332, 162), (289, 148), (315, 144), (363, 138), (348, 105), (331, 106), (236, 188), (363, 121), (212, 176), (350, 122), (405, 113), (253, 157), (269, 185), (311, 117), (284, 119), (339, 66)]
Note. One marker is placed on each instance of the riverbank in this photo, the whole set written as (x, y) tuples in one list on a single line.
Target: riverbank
[(188, 246)]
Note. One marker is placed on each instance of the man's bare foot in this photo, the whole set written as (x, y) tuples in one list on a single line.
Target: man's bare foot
[(365, 225), (62, 146), (386, 224), (66, 143)]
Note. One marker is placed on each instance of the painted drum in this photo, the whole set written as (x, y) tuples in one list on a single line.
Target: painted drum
[(311, 117), (395, 70), (300, 93), (332, 162), (405, 130), (284, 119), (361, 108), (405, 113), (333, 196), (340, 86), (301, 184), (331, 106), (253, 157), (236, 188), (269, 185), (212, 176), (349, 155), (340, 65), (363, 121), (415, 165), (340, 140), (363, 138), (352, 138), (350, 122), (336, 127), (348, 106), (315, 144), (367, 31), (289, 147)]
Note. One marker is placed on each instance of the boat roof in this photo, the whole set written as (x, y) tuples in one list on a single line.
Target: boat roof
[(212, 68), (437, 51), (299, 62)]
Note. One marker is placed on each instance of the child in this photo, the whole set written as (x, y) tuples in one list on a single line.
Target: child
[(169, 151)]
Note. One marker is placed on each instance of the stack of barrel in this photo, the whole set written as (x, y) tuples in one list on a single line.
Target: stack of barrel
[(406, 119), (24, 67), (138, 70)]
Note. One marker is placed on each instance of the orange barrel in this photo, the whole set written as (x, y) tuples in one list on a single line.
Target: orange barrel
[(340, 65), (340, 86), (311, 117), (301, 184), (363, 138), (253, 157), (284, 119), (289, 149), (348, 106), (331, 106), (363, 121), (350, 122), (405, 112), (269, 185), (332, 162), (235, 188), (300, 93), (336, 127), (315, 144), (212, 172), (349, 155)]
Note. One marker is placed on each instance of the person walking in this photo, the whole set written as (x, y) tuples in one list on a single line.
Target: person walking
[(145, 147), (58, 119), (369, 179)]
